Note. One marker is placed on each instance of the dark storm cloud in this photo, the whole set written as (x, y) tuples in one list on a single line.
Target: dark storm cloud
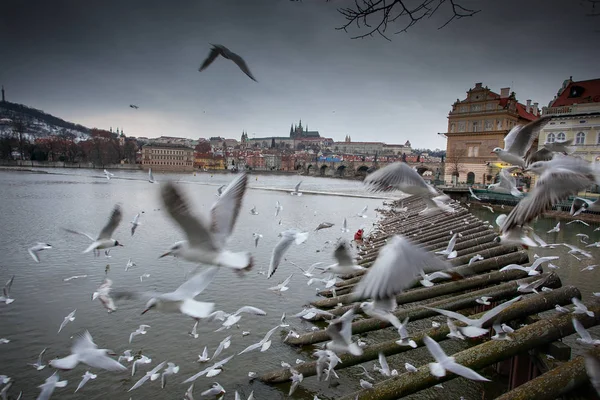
[(87, 61)]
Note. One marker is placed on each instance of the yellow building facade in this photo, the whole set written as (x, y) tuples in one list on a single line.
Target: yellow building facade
[(478, 124)]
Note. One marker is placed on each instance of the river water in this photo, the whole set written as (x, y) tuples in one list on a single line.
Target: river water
[(34, 207)]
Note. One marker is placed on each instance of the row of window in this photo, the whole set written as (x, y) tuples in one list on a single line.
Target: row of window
[(478, 107), (168, 157), (166, 163), (160, 151), (560, 137), (479, 126)]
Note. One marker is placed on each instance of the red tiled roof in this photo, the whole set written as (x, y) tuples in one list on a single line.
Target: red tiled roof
[(591, 94), (521, 109)]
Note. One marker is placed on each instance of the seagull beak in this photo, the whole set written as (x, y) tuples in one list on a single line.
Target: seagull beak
[(121, 245), (492, 152), (166, 254), (145, 311)]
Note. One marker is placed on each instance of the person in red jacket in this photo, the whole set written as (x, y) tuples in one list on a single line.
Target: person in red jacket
[(358, 235)]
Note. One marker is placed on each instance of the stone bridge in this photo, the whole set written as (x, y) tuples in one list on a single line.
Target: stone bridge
[(361, 168)]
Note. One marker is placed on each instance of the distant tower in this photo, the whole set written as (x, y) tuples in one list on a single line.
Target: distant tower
[(3, 98)]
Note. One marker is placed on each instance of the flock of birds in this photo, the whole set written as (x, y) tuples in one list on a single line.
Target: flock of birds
[(398, 265)]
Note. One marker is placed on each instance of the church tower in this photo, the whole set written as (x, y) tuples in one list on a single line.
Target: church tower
[(3, 98)]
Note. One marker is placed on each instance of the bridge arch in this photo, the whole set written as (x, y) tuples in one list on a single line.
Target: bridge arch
[(308, 168), (323, 169), (341, 169)]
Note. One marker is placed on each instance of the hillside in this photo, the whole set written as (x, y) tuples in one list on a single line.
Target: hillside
[(38, 123)]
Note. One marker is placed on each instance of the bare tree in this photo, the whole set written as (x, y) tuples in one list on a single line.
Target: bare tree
[(19, 133), (594, 12), (385, 12), (454, 161)]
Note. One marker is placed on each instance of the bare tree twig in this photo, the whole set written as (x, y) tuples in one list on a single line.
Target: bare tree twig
[(386, 12)]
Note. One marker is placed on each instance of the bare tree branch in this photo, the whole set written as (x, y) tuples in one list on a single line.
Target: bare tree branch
[(592, 4), (385, 12)]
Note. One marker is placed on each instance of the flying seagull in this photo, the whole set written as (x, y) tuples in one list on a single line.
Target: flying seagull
[(133, 106), (206, 241), (182, 299), (519, 140), (36, 249), (287, 238), (220, 50), (296, 191), (104, 239), (85, 351)]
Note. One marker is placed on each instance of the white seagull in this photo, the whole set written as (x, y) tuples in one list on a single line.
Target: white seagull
[(340, 332), (278, 208), (135, 223), (104, 239), (108, 175), (34, 250), (585, 336), (345, 226), (257, 237), (139, 331), (363, 212), (182, 299), (287, 238), (150, 176), (170, 370), (86, 377), (103, 294), (581, 308), (518, 141), (283, 286), (263, 344), (48, 387), (345, 264), (444, 363), (6, 291), (296, 191), (474, 327), (449, 250), (211, 371), (205, 242), (85, 351), (68, 318), (153, 375), (555, 229), (39, 364)]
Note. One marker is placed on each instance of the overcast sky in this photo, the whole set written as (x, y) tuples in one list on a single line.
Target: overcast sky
[(86, 61)]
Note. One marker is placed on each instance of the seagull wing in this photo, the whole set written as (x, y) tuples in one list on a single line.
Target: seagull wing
[(521, 137), (113, 222), (226, 209), (464, 371), (592, 366), (82, 343), (398, 264), (179, 210), (384, 365), (342, 255), (281, 247), (581, 331), (102, 361), (553, 186), (398, 176), (87, 235), (241, 64), (435, 350), (195, 285), (298, 186), (452, 243), (497, 310), (251, 310), (214, 53), (454, 315)]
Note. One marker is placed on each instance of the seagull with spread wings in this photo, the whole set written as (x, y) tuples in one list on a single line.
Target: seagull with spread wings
[(206, 241), (104, 239), (220, 50), (519, 140)]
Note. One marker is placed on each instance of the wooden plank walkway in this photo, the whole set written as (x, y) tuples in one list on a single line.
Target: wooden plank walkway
[(481, 278)]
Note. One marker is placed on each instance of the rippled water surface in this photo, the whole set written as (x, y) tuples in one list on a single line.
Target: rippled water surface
[(34, 207)]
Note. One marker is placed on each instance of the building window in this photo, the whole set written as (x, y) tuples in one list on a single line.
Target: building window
[(470, 178), (598, 138), (463, 109), (475, 126), (499, 125), (476, 151), (452, 128), (490, 106), (561, 137), (462, 125), (551, 138), (489, 125), (580, 138), (470, 153), (476, 107)]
